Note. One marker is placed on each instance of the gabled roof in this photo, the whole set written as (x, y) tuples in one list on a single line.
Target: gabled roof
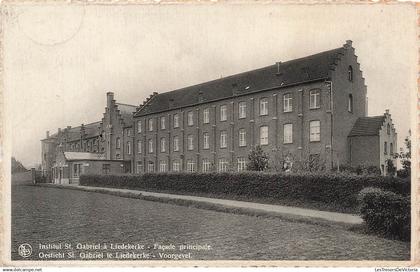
[(72, 156), (126, 112), (310, 68), (367, 126)]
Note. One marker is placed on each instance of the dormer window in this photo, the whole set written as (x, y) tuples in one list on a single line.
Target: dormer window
[(350, 73)]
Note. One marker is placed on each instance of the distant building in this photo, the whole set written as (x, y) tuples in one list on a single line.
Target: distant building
[(110, 139), (373, 141), (308, 110)]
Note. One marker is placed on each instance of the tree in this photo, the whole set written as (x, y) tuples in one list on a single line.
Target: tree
[(17, 166), (257, 160), (405, 157)]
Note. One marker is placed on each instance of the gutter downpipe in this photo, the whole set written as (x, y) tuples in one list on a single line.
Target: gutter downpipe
[(332, 123)]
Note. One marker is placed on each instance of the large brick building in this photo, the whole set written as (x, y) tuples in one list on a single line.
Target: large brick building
[(108, 141), (311, 109)]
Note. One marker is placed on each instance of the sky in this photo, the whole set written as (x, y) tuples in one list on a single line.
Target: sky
[(60, 60)]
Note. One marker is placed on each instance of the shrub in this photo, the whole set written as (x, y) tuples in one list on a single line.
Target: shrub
[(362, 169), (257, 160), (385, 212), (332, 189)]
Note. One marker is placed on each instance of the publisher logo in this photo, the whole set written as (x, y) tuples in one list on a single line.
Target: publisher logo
[(25, 250)]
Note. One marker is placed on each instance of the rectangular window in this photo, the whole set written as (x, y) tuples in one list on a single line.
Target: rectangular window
[(190, 118), (287, 103), (385, 148), (242, 109), (288, 133), (150, 124), (190, 142), (264, 135), (190, 166), (176, 166), (314, 99), (264, 106), (129, 148), (223, 113), (151, 167), (139, 126), (118, 142), (391, 149), (241, 164), (176, 143), (176, 120), (242, 137), (139, 146), (206, 140), (314, 131), (162, 166), (163, 122), (206, 116), (106, 168), (139, 167), (223, 139), (162, 144), (223, 165), (206, 165), (150, 146)]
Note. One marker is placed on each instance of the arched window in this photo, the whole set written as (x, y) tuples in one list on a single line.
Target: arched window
[(118, 142), (350, 73)]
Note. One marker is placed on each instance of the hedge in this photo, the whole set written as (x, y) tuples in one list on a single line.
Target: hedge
[(330, 188), (386, 213)]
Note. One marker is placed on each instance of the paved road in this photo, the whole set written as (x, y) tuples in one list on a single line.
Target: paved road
[(58, 216)]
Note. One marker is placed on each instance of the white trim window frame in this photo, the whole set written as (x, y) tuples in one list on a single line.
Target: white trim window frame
[(287, 102), (264, 106), (264, 135), (315, 131), (314, 99), (206, 116), (288, 133), (242, 110), (242, 137), (223, 113), (223, 139)]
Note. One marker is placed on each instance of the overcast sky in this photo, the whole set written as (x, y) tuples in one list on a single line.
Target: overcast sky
[(61, 60)]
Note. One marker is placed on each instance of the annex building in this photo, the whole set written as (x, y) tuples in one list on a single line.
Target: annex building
[(310, 110)]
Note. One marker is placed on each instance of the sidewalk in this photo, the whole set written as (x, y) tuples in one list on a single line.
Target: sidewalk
[(287, 211)]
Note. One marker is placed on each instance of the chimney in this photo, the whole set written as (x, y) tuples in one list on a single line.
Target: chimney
[(278, 67), (387, 112), (48, 134), (82, 130), (235, 88), (348, 44), (109, 99), (171, 102), (59, 130), (200, 97)]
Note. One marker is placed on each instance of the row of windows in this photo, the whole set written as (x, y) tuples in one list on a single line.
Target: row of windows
[(118, 145), (89, 146), (207, 166), (314, 103), (314, 136)]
